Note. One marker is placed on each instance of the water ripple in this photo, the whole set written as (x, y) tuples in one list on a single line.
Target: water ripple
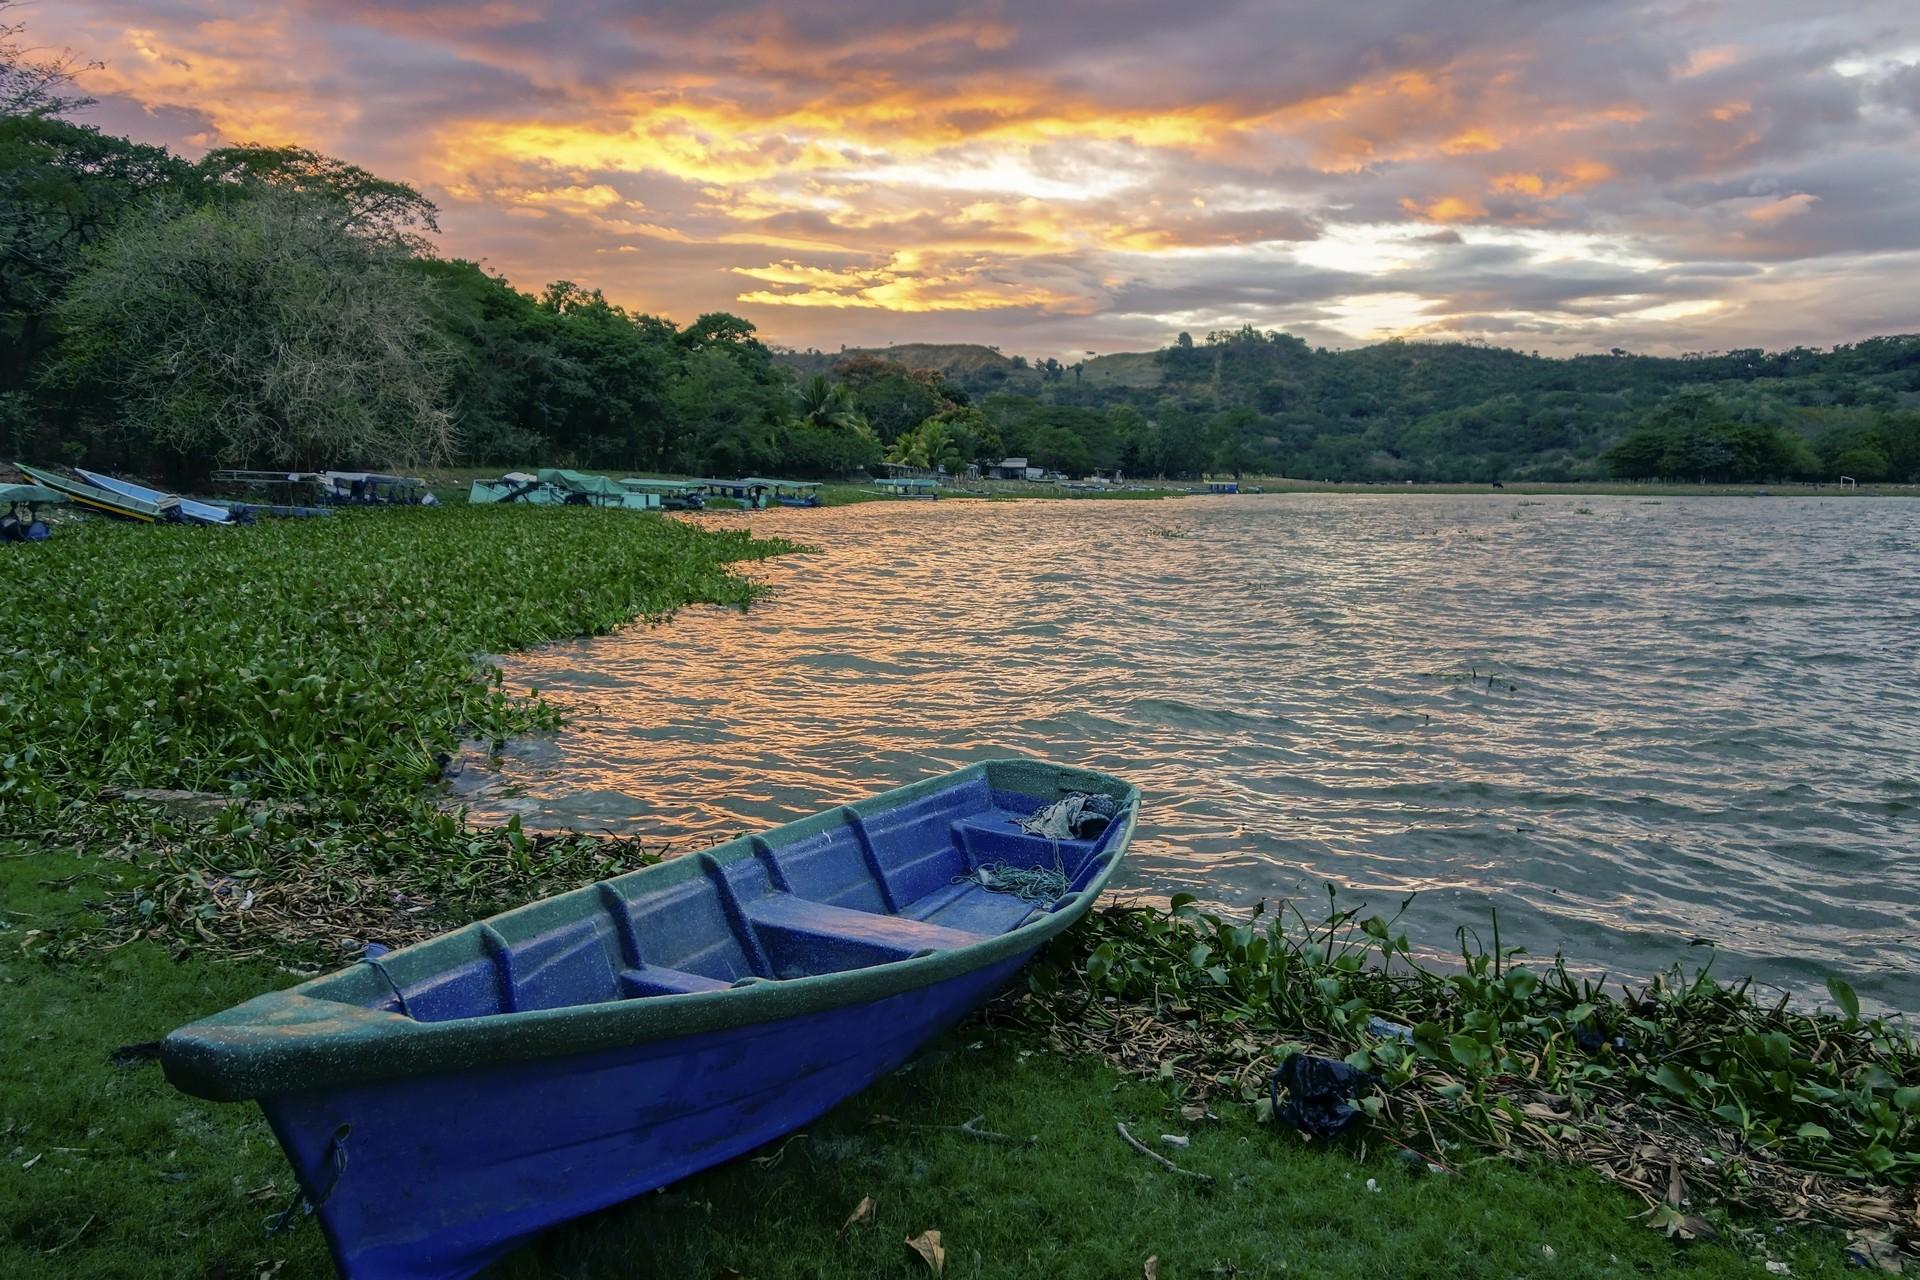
[(1626, 728)]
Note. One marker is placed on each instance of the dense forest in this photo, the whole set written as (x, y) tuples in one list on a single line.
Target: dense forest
[(1267, 403), (273, 306)]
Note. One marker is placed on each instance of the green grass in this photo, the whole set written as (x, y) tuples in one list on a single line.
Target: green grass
[(1122, 369), (133, 1179), (108, 1172)]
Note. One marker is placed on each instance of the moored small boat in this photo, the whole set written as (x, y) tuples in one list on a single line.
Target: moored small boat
[(793, 493), (442, 1103), (748, 492), (559, 487), (104, 501), (197, 512), (373, 489), (674, 495), (918, 487)]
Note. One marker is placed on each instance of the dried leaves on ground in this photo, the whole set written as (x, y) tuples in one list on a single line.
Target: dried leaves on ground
[(1689, 1092)]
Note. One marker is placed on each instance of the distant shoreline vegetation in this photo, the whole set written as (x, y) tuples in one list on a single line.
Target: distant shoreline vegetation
[(269, 306)]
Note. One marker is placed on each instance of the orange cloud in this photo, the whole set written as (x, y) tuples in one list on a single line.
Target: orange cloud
[(1776, 211), (910, 281), (1701, 61), (1573, 177), (1446, 209), (235, 74)]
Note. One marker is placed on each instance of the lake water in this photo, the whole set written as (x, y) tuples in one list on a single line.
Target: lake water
[(1624, 723)]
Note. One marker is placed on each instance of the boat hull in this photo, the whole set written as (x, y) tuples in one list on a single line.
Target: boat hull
[(444, 1175), (443, 1102), (197, 512), (88, 497)]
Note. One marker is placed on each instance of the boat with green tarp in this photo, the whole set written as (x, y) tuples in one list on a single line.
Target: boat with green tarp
[(674, 495), (560, 487)]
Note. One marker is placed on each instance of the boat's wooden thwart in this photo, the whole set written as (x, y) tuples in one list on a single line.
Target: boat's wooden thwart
[(442, 1103)]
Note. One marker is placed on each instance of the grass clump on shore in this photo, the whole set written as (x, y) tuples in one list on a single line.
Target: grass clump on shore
[(110, 1173), (1689, 1092)]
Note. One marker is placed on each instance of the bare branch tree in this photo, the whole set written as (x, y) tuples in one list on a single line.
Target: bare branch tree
[(263, 332), (32, 81)]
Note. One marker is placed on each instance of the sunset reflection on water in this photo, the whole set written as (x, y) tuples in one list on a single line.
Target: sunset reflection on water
[(1624, 724)]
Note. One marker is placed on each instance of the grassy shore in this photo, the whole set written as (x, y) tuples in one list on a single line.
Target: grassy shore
[(109, 1173), (308, 679)]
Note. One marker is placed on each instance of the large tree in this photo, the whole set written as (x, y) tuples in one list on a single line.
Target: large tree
[(363, 204), (261, 332)]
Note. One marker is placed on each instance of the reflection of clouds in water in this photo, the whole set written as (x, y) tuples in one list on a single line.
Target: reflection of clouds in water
[(1623, 730)]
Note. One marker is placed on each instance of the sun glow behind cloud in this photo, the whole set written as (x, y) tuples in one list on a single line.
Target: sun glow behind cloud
[(1097, 177)]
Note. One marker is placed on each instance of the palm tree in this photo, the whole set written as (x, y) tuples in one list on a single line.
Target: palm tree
[(928, 445), (824, 403)]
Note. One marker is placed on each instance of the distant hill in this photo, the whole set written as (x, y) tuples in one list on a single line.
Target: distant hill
[(1402, 410), (986, 369), (1123, 369), (962, 363)]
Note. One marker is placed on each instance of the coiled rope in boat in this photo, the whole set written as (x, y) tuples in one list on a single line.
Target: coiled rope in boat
[(1029, 884), (1075, 817)]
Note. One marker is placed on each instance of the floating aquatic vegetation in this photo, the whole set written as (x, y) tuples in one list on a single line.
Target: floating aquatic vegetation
[(333, 657), (251, 721)]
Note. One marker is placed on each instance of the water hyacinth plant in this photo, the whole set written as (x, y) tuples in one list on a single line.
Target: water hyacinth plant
[(313, 658), (1684, 1084), (302, 682)]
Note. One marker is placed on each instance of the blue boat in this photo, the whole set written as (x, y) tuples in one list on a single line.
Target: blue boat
[(197, 512), (442, 1103)]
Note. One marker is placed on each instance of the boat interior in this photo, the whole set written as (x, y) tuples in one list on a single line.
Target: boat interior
[(841, 890)]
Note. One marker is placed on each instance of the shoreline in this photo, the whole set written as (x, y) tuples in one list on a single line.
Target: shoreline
[(450, 484), (126, 918)]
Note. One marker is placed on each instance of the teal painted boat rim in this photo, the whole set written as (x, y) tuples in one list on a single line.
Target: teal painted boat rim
[(668, 486), (322, 1033), (38, 494)]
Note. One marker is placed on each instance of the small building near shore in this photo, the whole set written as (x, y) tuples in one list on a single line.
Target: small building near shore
[(1012, 469)]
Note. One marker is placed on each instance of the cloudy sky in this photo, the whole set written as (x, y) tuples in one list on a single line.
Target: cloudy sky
[(1559, 175)]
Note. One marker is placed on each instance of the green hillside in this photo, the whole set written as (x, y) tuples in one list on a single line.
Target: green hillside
[(1242, 400), (963, 363)]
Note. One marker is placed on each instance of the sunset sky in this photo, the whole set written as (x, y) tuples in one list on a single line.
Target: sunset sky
[(1054, 177)]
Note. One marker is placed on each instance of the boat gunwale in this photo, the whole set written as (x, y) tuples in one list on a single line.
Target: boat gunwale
[(289, 1041), (95, 498)]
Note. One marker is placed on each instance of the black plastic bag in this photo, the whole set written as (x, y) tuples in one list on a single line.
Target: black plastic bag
[(1320, 1094)]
